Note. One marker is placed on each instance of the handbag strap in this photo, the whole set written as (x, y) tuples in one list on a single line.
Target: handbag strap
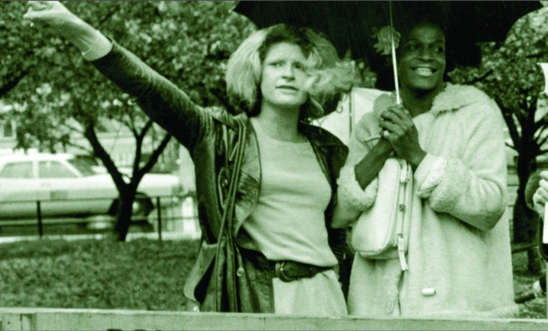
[(351, 114), (403, 210), (235, 156), (225, 230), (235, 176)]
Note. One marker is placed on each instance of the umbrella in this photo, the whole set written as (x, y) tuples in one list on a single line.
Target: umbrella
[(349, 24)]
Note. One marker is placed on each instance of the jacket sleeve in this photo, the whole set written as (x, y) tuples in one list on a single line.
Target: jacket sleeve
[(160, 99), (471, 187)]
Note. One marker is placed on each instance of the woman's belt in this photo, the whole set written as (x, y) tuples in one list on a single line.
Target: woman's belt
[(288, 271)]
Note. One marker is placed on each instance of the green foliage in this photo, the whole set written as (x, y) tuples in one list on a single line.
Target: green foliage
[(14, 57), (511, 75), (189, 42), (139, 274), (58, 95)]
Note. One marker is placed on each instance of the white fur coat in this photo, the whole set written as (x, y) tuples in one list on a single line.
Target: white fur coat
[(459, 244)]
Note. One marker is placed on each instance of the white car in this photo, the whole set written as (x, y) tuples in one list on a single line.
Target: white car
[(70, 185)]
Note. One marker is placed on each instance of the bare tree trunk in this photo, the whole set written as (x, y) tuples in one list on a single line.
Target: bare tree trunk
[(525, 220), (127, 191), (524, 228), (123, 220)]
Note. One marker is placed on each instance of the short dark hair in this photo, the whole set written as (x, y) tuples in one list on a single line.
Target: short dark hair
[(465, 54)]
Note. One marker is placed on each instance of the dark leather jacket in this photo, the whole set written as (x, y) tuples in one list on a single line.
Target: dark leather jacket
[(199, 130)]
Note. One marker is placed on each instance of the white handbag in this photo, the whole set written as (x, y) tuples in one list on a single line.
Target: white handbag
[(381, 232)]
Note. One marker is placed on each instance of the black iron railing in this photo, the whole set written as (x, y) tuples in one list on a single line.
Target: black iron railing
[(162, 203)]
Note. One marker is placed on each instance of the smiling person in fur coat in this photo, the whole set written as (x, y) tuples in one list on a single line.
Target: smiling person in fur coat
[(459, 254)]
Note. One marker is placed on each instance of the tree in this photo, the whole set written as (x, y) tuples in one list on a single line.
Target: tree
[(58, 95), (12, 67), (511, 75)]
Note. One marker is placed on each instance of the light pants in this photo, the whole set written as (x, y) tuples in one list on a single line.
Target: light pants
[(320, 295)]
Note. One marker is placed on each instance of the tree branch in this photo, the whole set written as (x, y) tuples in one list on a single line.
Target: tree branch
[(507, 115), (80, 147), (511, 146), (139, 138), (542, 141), (139, 146), (540, 123), (131, 124), (72, 128), (145, 129), (102, 154), (155, 155), (127, 122), (480, 78), (109, 14), (12, 82)]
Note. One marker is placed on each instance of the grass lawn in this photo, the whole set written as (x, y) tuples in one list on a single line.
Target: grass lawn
[(523, 281), (140, 274), (103, 274)]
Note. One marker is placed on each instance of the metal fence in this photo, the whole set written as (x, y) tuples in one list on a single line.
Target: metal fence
[(168, 209)]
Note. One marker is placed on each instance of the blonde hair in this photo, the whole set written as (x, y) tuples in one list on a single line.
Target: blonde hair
[(328, 74)]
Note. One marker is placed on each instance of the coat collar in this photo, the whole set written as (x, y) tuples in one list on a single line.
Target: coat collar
[(454, 97), (451, 98)]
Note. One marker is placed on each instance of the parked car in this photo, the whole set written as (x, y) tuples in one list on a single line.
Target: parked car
[(71, 185)]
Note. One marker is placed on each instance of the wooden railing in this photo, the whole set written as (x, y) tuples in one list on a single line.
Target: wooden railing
[(94, 319)]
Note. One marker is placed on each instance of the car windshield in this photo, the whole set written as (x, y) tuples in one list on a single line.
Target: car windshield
[(84, 165)]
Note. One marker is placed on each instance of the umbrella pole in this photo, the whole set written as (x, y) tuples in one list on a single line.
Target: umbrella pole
[(394, 61)]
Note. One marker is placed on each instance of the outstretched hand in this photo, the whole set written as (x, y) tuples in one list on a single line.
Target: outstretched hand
[(91, 43), (397, 126), (48, 13)]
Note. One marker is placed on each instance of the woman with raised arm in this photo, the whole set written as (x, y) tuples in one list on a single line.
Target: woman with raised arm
[(458, 254), (286, 251)]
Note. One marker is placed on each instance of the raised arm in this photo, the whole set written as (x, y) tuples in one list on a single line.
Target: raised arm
[(160, 99), (89, 41)]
